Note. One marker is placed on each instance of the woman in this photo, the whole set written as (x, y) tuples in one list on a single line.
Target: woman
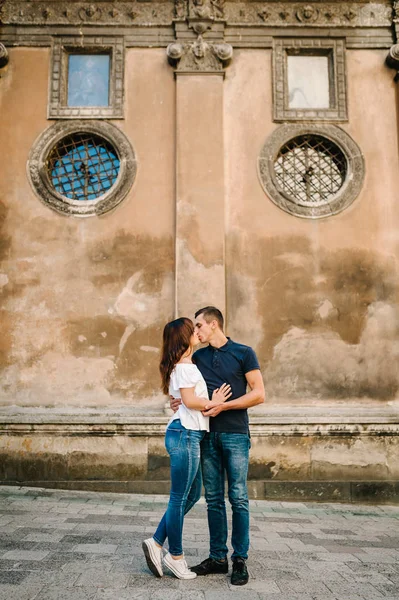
[(181, 379)]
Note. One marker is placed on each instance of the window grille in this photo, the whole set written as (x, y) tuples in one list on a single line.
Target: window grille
[(83, 166), (310, 170)]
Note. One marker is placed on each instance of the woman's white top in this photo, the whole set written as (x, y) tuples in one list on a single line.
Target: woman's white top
[(187, 375)]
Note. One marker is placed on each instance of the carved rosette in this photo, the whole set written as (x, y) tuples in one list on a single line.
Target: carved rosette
[(3, 56), (199, 56)]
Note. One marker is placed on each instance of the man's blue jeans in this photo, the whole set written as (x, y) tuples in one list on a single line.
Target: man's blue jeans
[(220, 453), (183, 446)]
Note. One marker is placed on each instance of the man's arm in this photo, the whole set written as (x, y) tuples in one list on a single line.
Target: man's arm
[(252, 398)]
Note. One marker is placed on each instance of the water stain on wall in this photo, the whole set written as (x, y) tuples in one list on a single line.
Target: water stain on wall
[(329, 319), (78, 327)]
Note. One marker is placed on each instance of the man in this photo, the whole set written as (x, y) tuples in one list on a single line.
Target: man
[(226, 448)]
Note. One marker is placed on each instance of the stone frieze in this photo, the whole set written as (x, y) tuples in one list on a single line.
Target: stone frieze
[(315, 14), (147, 13)]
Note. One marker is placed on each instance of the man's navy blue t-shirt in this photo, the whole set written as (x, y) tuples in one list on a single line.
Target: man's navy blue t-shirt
[(227, 364)]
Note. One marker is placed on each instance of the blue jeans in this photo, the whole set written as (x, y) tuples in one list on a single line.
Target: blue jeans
[(220, 453), (183, 446)]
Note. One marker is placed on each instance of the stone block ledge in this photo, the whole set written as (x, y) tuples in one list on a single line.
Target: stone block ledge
[(269, 421), (373, 492)]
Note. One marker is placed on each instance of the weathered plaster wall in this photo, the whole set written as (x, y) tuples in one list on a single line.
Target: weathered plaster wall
[(84, 300), (318, 299)]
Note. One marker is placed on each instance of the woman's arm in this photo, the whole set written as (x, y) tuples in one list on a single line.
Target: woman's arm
[(219, 396)]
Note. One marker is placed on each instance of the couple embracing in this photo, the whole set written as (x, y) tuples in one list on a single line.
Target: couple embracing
[(208, 433)]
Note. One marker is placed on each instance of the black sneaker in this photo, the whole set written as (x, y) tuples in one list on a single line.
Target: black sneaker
[(239, 575), (211, 565)]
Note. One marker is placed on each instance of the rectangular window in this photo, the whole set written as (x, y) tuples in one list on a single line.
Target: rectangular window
[(309, 79), (88, 79)]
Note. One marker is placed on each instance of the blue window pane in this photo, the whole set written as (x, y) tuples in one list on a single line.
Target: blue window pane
[(83, 167), (88, 79)]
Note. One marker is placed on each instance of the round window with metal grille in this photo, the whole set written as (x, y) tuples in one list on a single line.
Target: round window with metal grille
[(313, 172), (82, 168)]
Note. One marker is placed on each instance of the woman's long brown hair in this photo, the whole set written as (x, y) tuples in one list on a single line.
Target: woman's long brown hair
[(176, 341)]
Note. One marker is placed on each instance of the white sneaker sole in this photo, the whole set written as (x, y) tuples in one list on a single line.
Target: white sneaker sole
[(151, 559), (177, 573)]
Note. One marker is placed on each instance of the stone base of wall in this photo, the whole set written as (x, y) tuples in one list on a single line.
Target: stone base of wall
[(373, 492), (306, 454)]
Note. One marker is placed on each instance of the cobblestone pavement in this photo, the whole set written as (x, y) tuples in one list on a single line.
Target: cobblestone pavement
[(58, 545)]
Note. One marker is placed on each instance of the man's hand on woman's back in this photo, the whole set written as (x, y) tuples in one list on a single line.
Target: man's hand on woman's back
[(174, 403)]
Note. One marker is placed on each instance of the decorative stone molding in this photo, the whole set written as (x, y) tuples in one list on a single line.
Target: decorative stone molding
[(316, 14), (43, 187), (354, 171), (276, 14), (4, 58), (62, 46), (60, 12), (199, 56)]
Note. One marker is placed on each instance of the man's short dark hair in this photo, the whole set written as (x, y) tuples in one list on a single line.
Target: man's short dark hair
[(211, 313)]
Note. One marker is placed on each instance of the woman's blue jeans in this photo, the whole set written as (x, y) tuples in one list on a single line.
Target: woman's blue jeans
[(226, 453), (183, 446)]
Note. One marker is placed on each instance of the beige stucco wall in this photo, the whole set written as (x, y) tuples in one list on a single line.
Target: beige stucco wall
[(318, 299), (84, 300)]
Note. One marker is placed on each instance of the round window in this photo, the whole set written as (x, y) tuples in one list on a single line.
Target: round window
[(82, 168), (313, 172)]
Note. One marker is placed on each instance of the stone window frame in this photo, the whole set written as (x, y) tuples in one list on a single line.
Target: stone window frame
[(58, 86), (338, 88), (353, 181), (43, 187)]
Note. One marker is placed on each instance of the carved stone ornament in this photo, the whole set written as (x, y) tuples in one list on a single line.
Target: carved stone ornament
[(307, 14), (392, 60), (94, 12), (90, 13), (160, 12), (206, 9), (4, 58), (43, 186), (199, 56), (181, 9)]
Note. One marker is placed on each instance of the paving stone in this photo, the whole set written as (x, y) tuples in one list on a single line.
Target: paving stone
[(126, 594), (12, 577), (95, 548), (18, 592), (235, 592), (94, 578), (24, 555), (57, 593)]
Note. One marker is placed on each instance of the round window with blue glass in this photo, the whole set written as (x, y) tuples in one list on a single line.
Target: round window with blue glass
[(82, 168)]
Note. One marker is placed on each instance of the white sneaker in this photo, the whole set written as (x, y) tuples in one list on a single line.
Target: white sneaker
[(178, 567), (153, 556)]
